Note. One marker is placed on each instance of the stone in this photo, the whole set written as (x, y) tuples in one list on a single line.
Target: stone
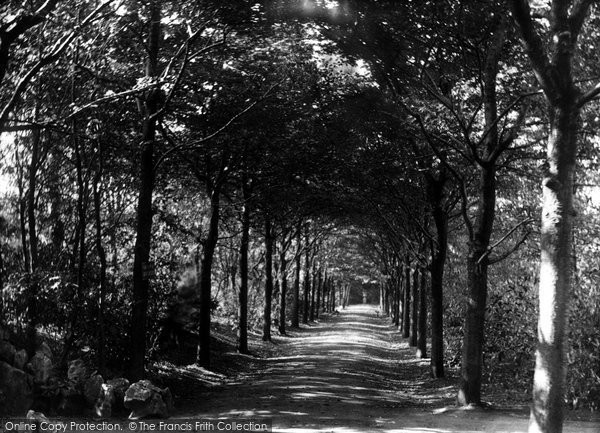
[(145, 399), (7, 351), (91, 388), (21, 359), (78, 372), (17, 387), (38, 417), (41, 367)]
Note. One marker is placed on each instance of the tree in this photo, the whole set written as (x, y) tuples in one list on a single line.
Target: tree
[(553, 54)]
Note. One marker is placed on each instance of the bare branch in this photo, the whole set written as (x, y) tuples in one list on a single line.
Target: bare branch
[(503, 238), (588, 96)]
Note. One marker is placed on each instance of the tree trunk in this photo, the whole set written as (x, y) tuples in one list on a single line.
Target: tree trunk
[(555, 273), (283, 296), (414, 319), (143, 239), (480, 233), (296, 299), (406, 303), (313, 292), (306, 304), (319, 290), (32, 291), (435, 189), (477, 275), (269, 280), (422, 326), (102, 258), (208, 253), (243, 295)]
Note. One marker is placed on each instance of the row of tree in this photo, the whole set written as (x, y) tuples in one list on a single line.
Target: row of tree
[(157, 137)]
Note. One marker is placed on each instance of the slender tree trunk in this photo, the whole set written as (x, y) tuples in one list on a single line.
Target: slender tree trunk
[(333, 296), (23, 214), (296, 299), (319, 290), (313, 292), (243, 295), (306, 303), (414, 320), (283, 297), (435, 189), (32, 310), (102, 258), (208, 253), (422, 325), (269, 280), (394, 288), (141, 262), (406, 303)]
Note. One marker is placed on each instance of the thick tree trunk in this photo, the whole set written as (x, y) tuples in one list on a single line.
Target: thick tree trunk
[(406, 303), (268, 280), (208, 253), (143, 239), (243, 295), (414, 319), (477, 276), (481, 231), (555, 273), (422, 326), (283, 296)]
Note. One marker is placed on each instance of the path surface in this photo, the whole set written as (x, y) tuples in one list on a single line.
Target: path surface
[(352, 373)]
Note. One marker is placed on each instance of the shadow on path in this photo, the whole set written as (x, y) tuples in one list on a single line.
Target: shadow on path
[(350, 372)]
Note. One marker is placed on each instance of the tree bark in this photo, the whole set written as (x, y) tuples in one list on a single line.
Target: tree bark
[(319, 290), (312, 292), (422, 325), (296, 299), (243, 294), (268, 280), (435, 189), (143, 240), (208, 253), (414, 319), (555, 75), (306, 303), (480, 233), (32, 292), (102, 258), (283, 295), (406, 302)]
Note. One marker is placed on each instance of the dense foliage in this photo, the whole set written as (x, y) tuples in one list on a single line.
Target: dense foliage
[(338, 130)]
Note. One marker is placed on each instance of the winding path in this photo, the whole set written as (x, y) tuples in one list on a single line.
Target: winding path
[(351, 372)]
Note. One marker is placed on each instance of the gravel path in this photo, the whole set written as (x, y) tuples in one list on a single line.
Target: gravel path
[(351, 372)]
